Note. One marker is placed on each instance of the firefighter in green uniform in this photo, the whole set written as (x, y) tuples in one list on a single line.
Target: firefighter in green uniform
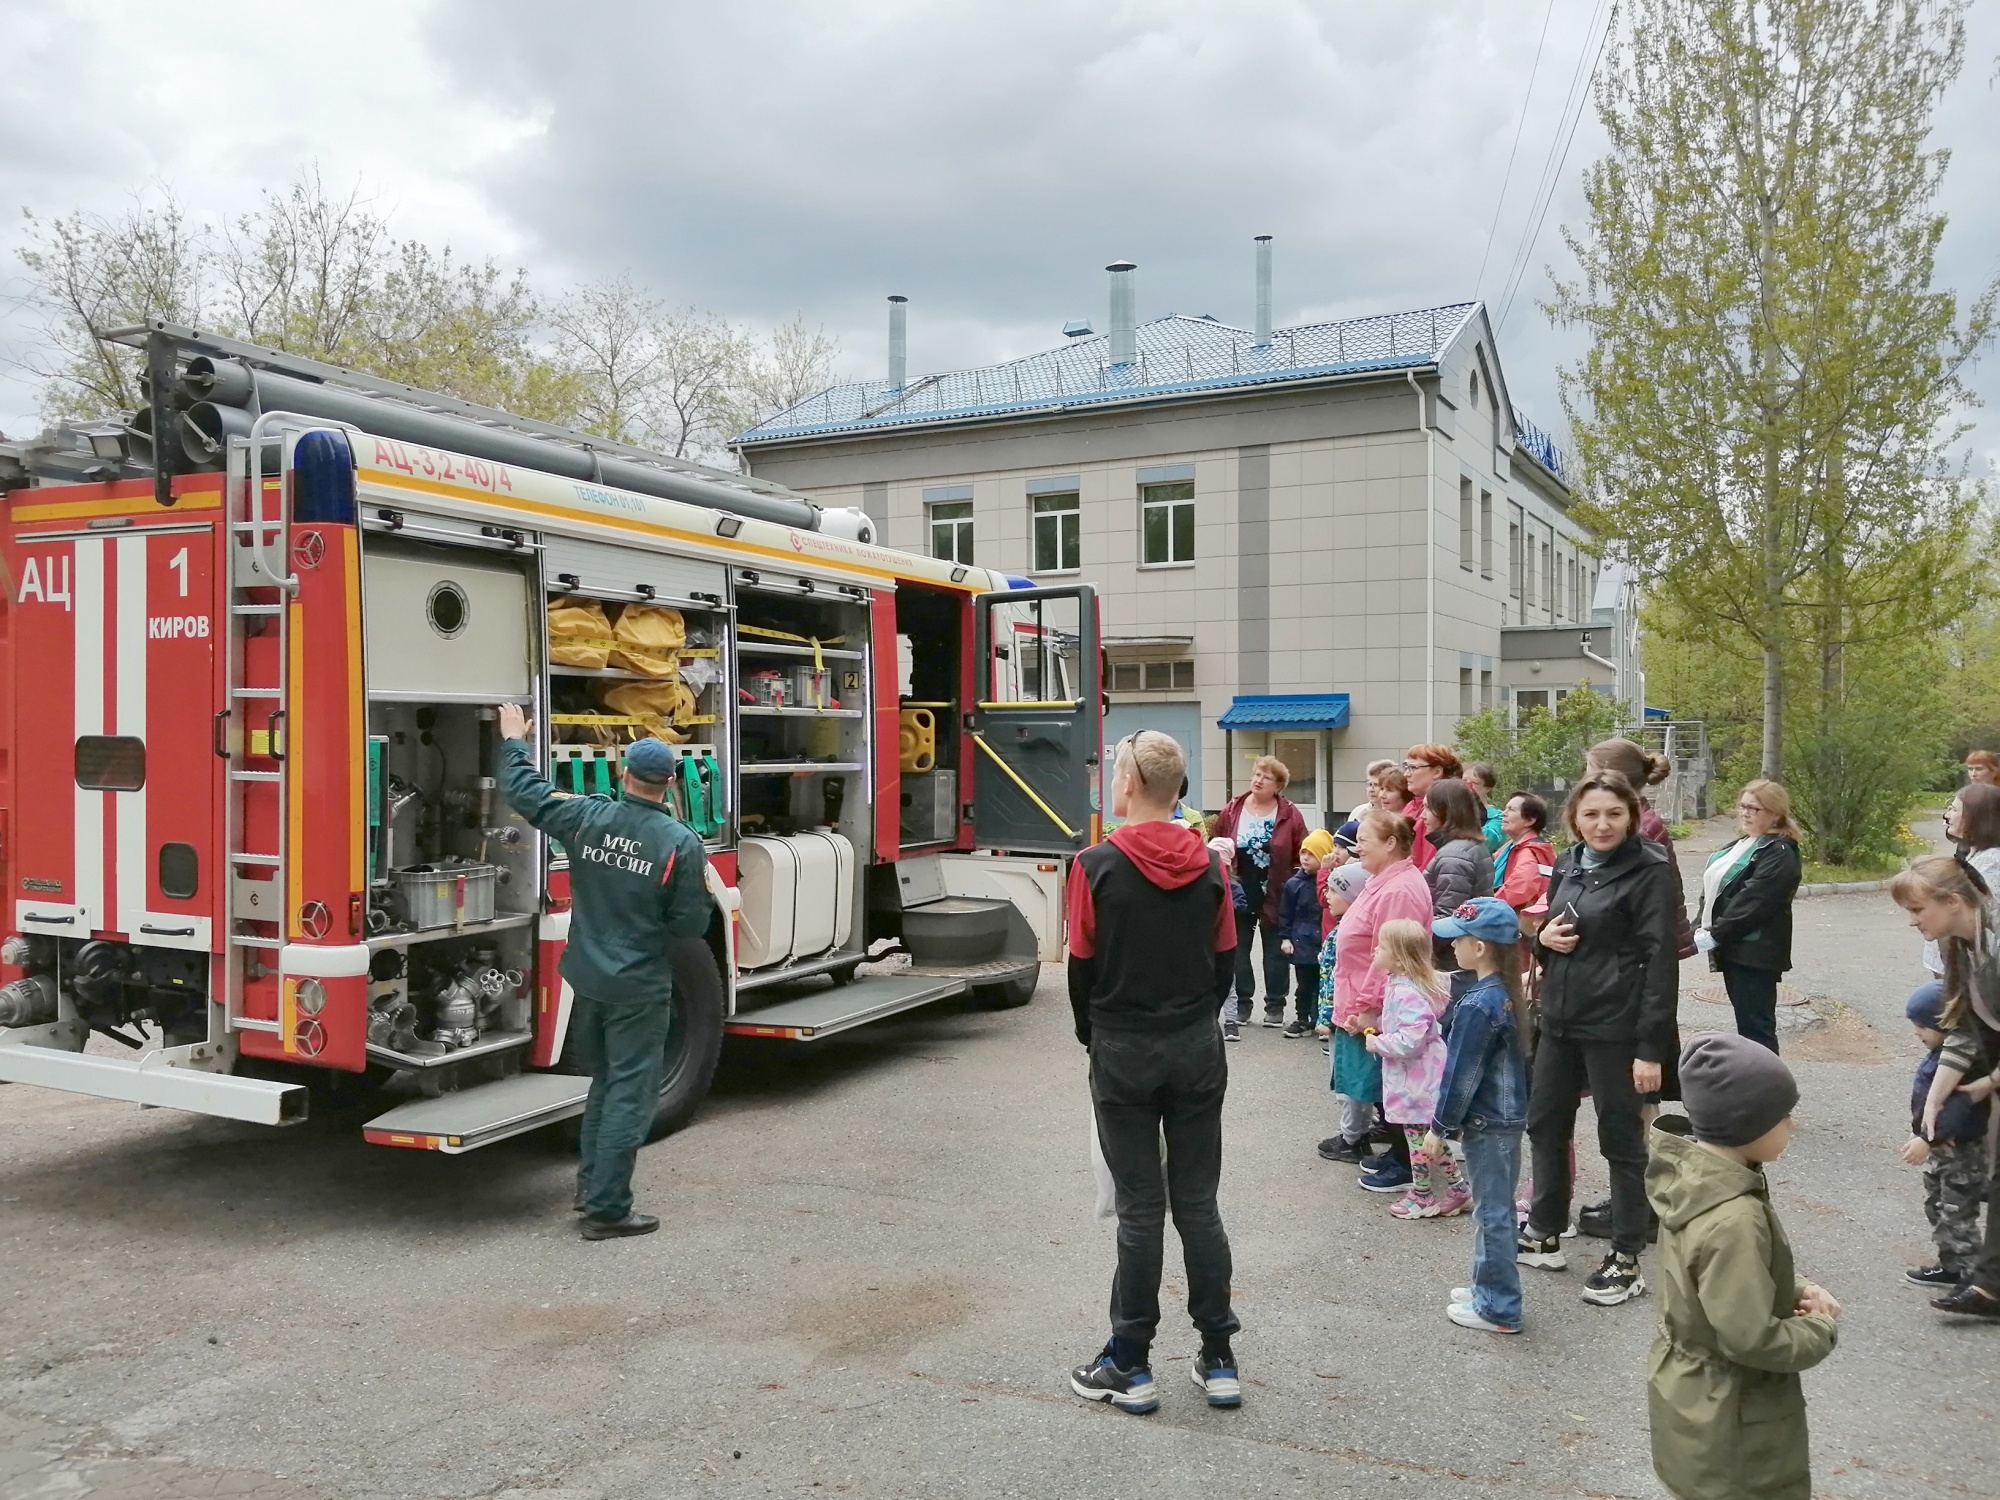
[(637, 879)]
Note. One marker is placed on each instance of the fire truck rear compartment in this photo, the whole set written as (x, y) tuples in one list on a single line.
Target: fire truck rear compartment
[(453, 888)]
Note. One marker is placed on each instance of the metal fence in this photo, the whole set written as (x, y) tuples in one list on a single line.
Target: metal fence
[(1687, 793)]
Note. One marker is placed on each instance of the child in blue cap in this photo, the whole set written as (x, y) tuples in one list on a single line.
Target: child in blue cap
[(1954, 1155), (1483, 1103)]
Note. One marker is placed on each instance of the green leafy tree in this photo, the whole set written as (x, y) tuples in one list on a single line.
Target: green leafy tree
[(1546, 752), (1765, 409)]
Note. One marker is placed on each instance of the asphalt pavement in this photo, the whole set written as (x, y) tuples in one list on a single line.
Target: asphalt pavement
[(878, 1263)]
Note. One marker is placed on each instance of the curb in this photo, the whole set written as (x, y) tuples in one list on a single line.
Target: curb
[(1844, 887)]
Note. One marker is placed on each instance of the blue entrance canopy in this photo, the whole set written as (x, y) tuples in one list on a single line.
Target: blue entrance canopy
[(1286, 711)]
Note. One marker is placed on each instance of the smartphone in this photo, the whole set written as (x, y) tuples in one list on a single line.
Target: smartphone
[(1569, 916)]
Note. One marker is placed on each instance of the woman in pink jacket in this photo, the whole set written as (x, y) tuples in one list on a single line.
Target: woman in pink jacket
[(1396, 889)]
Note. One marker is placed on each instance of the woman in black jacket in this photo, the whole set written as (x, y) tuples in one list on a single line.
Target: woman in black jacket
[(1609, 983), (1461, 866), (1745, 926)]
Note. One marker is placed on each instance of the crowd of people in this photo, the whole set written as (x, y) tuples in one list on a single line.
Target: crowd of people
[(1470, 985)]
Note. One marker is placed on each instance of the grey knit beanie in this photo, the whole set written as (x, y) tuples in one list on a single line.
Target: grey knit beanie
[(1734, 1089)]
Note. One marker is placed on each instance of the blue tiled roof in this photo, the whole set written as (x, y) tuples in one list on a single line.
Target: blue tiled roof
[(1176, 355), (1286, 711)]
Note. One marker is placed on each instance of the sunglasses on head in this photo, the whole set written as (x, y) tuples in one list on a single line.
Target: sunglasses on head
[(1130, 742)]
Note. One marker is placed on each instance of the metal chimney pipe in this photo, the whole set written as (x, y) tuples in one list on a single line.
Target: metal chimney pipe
[(899, 341), (1124, 312), (1263, 291)]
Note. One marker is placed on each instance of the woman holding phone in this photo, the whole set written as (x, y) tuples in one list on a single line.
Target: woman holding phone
[(1609, 988)]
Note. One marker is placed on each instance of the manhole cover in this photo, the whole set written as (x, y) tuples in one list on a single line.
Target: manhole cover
[(1715, 994)]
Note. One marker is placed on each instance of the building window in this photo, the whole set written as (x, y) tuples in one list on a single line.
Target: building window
[(1152, 677), (1465, 524), (1514, 551), (1485, 691), (1485, 535), (1467, 704), (1058, 534), (951, 530), (1166, 513), (1548, 579)]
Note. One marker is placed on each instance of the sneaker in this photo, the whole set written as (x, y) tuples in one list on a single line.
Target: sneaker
[(1326, 1049), (1453, 1201), (1617, 1280), (1381, 1134), (1295, 1030), (1462, 1314), (1340, 1148), (1971, 1300), (1414, 1205), (1232, 1032), (1543, 1250), (1931, 1276), (1215, 1376), (1274, 1018), (1460, 1295), (1103, 1380), (1387, 1176)]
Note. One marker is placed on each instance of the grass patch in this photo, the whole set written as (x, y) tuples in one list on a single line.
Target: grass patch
[(1819, 874)]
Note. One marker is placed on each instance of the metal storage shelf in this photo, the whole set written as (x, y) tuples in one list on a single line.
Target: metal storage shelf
[(779, 648), (497, 1041), (799, 713), (433, 934), (617, 674), (800, 767)]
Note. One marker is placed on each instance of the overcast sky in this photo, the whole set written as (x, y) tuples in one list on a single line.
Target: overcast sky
[(984, 160)]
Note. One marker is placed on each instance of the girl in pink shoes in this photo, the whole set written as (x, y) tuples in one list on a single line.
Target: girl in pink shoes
[(1411, 1044)]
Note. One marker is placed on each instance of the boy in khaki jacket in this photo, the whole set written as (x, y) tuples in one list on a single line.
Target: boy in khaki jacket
[(1728, 1410)]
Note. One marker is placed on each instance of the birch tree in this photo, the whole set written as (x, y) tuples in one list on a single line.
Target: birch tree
[(1765, 410)]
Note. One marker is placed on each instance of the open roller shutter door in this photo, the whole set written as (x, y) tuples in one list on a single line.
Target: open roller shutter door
[(618, 572)]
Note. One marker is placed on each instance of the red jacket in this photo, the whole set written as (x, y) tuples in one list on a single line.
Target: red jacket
[(1530, 862), (1651, 826), (1421, 850), (1288, 831)]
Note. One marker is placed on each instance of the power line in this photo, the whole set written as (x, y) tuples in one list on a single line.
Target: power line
[(1573, 109), (1507, 176)]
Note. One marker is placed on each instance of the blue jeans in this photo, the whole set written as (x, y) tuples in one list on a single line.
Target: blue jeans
[(1493, 1165)]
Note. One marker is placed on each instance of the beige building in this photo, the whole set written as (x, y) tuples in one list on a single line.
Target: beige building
[(1340, 518)]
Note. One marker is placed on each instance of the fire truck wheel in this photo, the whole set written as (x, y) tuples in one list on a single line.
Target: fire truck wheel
[(1006, 996), (694, 1037)]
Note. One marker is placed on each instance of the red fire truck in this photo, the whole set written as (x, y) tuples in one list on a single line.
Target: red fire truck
[(254, 636)]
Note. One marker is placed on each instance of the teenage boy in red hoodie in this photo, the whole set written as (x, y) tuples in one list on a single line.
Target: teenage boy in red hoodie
[(1151, 931)]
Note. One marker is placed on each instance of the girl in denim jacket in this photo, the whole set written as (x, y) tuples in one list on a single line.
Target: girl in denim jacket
[(1483, 1103)]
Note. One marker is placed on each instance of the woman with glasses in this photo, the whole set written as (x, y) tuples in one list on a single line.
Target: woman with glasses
[(1972, 823), (1745, 926), (1423, 766), (1267, 830)]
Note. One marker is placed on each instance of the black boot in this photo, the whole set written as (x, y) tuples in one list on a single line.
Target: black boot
[(618, 1229)]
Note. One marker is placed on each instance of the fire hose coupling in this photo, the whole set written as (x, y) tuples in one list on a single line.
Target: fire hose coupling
[(28, 1002)]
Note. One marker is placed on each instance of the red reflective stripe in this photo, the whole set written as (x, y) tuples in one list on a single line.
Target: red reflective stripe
[(672, 855)]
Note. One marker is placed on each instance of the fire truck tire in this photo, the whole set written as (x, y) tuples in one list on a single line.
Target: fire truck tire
[(694, 1039), (1014, 992)]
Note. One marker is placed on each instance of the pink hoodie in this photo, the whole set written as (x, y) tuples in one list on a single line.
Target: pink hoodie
[(1397, 892)]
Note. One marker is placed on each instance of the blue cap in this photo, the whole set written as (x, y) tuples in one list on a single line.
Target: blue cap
[(1925, 1006), (651, 760), (1348, 835), (1487, 918)]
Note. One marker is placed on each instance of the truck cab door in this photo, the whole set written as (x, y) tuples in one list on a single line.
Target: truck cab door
[(1037, 721)]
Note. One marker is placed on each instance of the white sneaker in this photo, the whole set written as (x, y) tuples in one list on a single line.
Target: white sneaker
[(1462, 1314), (1461, 1296)]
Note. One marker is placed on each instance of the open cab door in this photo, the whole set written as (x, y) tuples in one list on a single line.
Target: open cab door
[(1037, 723)]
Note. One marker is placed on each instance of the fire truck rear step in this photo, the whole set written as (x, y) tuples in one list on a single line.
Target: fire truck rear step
[(145, 1080), (827, 1011), (475, 1117)]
